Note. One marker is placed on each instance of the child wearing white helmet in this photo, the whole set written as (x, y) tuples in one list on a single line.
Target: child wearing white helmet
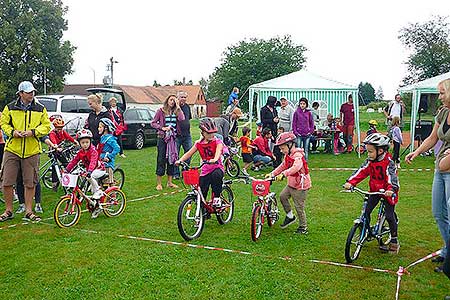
[(95, 169), (295, 168), (382, 173)]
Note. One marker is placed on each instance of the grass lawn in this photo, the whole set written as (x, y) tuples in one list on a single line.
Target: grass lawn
[(40, 261)]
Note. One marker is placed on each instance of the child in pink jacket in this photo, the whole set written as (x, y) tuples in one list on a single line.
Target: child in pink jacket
[(295, 168)]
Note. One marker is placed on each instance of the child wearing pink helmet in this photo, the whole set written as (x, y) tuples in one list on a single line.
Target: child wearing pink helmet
[(295, 168)]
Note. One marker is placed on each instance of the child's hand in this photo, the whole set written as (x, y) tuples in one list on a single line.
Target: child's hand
[(389, 193), (106, 159), (76, 143), (347, 186), (267, 176), (279, 177)]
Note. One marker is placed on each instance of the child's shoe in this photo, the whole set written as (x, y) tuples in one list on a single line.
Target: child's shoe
[(302, 230), (393, 248), (96, 212), (287, 221), (20, 209), (97, 195), (38, 208)]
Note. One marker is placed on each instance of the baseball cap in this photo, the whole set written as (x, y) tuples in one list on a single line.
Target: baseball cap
[(25, 86)]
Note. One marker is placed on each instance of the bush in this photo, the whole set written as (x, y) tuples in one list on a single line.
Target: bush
[(376, 105)]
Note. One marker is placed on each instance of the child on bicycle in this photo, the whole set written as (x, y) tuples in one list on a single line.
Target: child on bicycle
[(380, 168), (108, 147), (295, 168), (372, 127), (88, 155), (246, 149), (210, 149)]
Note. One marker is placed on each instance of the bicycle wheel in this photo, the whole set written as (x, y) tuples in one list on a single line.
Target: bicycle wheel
[(273, 214), (232, 168), (384, 233), (190, 224), (355, 240), (119, 178), (114, 203), (257, 222), (47, 178), (225, 215), (63, 215)]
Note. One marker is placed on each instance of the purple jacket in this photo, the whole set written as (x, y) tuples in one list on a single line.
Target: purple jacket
[(302, 122), (159, 121)]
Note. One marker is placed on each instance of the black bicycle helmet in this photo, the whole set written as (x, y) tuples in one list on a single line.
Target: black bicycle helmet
[(207, 125)]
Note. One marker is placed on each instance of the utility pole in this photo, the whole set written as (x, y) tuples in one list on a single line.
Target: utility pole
[(112, 62)]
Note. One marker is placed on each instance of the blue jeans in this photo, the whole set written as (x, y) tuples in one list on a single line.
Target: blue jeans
[(264, 159), (303, 142), (440, 203), (186, 143)]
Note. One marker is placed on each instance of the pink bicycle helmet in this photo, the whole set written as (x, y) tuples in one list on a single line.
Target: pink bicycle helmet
[(284, 138), (207, 125)]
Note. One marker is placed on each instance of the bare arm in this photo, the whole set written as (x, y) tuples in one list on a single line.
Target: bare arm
[(218, 153), (427, 144), (188, 154)]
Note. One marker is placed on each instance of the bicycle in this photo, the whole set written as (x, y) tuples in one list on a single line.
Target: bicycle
[(46, 169), (361, 231), (194, 209), (265, 205), (231, 166), (68, 210)]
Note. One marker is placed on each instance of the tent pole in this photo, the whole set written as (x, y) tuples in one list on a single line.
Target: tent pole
[(250, 109), (413, 119)]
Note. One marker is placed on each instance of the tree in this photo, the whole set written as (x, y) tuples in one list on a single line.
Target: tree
[(366, 93), (379, 95), (204, 84), (31, 45), (429, 44), (252, 61), (156, 84)]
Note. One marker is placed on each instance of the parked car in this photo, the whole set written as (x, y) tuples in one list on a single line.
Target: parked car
[(139, 131), (74, 109)]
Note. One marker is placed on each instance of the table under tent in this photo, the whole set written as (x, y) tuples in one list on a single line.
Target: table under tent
[(330, 94), (422, 93)]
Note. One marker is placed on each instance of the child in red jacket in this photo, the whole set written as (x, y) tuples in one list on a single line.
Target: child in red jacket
[(383, 175)]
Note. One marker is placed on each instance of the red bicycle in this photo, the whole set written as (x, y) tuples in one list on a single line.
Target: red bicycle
[(194, 209), (68, 210)]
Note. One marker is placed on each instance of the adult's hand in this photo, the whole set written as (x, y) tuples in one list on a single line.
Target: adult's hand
[(276, 119), (409, 158), (165, 128), (27, 133), (17, 134)]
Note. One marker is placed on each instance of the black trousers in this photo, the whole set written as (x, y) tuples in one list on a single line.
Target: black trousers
[(396, 156), (388, 211), (213, 179), (162, 163)]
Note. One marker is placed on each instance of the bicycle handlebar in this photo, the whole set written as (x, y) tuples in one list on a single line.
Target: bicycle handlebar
[(185, 166), (366, 193), (247, 179)]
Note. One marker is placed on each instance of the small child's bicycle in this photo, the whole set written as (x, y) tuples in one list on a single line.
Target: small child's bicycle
[(231, 165), (68, 210), (194, 209), (361, 231), (265, 206)]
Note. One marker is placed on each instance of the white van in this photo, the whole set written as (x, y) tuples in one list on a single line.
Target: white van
[(73, 108)]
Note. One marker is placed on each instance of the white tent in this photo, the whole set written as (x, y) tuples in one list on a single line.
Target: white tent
[(305, 84), (427, 86)]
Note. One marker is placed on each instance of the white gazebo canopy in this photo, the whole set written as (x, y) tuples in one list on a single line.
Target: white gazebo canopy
[(427, 86), (313, 87)]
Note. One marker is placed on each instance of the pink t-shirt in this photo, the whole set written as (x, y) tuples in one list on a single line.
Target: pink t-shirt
[(207, 151), (349, 113)]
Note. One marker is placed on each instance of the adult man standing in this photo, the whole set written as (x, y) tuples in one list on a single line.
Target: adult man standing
[(348, 120), (285, 114), (24, 121), (184, 138), (395, 108)]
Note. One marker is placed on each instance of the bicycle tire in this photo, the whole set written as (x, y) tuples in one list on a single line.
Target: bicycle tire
[(257, 222), (192, 223), (46, 178), (232, 168), (61, 216), (273, 213), (119, 178), (114, 202), (226, 215), (354, 238), (384, 232)]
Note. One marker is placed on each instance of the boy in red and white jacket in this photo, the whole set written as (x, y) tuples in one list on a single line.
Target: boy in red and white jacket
[(295, 168), (381, 170)]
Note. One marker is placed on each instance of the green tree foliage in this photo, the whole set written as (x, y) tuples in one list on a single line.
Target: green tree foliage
[(31, 34), (429, 44), (252, 61), (366, 93)]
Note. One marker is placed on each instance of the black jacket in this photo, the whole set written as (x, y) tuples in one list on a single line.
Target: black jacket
[(92, 123), (267, 117)]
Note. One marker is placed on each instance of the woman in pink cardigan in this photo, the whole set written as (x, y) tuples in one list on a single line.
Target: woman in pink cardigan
[(295, 168)]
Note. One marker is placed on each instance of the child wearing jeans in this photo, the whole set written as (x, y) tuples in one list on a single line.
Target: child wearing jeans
[(210, 149), (295, 168), (397, 138), (380, 168), (88, 155)]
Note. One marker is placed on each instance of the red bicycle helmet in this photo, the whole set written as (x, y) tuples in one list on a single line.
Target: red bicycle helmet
[(207, 125), (284, 138)]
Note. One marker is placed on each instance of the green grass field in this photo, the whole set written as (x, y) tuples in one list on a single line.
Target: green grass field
[(41, 261)]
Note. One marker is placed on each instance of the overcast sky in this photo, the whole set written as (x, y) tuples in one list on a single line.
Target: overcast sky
[(348, 41)]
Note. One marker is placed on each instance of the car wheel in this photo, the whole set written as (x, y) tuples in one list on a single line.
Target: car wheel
[(139, 141)]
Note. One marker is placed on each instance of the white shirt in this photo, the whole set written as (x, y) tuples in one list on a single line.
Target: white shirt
[(396, 109)]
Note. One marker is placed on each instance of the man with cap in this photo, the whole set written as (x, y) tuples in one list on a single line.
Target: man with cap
[(285, 114), (24, 121)]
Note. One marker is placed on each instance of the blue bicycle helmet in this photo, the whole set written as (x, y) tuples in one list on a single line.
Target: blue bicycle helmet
[(109, 124)]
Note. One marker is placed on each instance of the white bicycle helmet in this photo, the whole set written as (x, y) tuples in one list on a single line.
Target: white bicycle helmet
[(84, 133), (378, 140)]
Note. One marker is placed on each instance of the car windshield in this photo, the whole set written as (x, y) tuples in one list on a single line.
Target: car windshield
[(49, 103), (131, 115), (107, 96)]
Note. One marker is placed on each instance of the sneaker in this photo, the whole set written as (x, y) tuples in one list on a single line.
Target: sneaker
[(287, 221), (38, 208), (96, 212), (392, 248), (244, 171), (256, 169), (216, 202), (302, 230), (438, 259), (439, 269), (15, 197), (398, 166), (20, 209), (97, 195), (123, 155)]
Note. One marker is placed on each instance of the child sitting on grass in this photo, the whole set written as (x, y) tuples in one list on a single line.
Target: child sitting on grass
[(295, 168), (380, 168), (108, 147)]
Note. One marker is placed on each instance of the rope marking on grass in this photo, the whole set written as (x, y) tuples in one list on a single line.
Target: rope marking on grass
[(354, 169)]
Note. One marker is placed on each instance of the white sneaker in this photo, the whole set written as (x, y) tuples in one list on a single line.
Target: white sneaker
[(123, 155), (38, 208), (96, 212), (97, 195), (398, 166), (20, 209)]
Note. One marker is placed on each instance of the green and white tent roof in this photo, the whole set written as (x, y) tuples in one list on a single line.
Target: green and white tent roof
[(428, 85), (302, 80)]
